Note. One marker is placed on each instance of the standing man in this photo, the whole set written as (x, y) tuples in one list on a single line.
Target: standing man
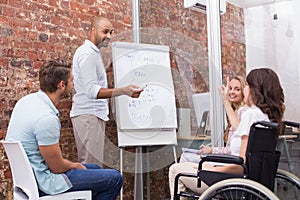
[(90, 102), (35, 122)]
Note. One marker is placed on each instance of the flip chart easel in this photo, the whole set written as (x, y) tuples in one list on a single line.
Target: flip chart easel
[(151, 118)]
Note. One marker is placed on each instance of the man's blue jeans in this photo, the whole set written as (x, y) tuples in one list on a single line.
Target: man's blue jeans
[(104, 183)]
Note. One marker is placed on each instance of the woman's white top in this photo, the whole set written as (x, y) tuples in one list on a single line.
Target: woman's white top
[(253, 114)]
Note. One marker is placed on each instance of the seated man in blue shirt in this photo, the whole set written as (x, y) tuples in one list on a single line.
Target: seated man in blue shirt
[(35, 122)]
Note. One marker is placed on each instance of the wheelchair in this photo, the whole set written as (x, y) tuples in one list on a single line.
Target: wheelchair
[(261, 178)]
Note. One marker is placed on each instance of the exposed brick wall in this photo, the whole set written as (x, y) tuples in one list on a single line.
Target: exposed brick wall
[(34, 31)]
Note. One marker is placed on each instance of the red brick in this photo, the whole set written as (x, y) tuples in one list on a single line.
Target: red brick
[(65, 4), (94, 11), (42, 55), (39, 26), (20, 53), (127, 19), (37, 64), (3, 1), (41, 8), (2, 135), (42, 46), (21, 43), (82, 17), (60, 21), (16, 22), (4, 61), (32, 55), (7, 174), (19, 4), (79, 6), (23, 14), (3, 104), (3, 19), (8, 12), (89, 2), (3, 124), (55, 3)]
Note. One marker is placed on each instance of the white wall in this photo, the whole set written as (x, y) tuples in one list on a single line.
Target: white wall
[(276, 44)]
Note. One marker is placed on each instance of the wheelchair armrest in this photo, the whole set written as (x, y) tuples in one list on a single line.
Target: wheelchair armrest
[(292, 124), (222, 158)]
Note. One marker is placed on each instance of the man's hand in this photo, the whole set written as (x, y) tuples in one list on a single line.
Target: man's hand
[(78, 165), (133, 91)]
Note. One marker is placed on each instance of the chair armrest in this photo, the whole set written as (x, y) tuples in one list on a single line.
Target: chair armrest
[(292, 124), (222, 158)]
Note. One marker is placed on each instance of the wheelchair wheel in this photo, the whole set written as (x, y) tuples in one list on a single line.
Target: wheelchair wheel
[(238, 188), (287, 185)]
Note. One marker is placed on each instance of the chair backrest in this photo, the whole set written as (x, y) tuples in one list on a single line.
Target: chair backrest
[(261, 156), (23, 176)]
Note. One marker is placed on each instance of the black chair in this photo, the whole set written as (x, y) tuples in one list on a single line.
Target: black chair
[(260, 168)]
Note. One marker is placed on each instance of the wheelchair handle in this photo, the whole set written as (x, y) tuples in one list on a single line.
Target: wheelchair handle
[(266, 124)]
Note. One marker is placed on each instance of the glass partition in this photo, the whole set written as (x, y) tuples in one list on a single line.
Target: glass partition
[(268, 36)]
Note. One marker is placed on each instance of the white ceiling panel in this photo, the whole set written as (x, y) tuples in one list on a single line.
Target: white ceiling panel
[(252, 3)]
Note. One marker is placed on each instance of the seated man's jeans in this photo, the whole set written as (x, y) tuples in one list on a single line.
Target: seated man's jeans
[(105, 184)]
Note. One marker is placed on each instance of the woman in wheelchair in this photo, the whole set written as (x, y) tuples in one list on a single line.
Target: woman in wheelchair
[(264, 95)]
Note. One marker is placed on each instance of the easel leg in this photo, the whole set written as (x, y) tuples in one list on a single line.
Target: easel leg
[(148, 173), (121, 170), (138, 179), (174, 153)]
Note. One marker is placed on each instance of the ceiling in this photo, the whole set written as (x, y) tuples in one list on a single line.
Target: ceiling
[(252, 3)]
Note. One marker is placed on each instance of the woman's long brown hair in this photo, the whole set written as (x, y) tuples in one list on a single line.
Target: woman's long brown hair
[(267, 94)]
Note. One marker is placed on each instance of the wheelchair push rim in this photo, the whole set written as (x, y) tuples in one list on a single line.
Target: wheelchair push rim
[(238, 188)]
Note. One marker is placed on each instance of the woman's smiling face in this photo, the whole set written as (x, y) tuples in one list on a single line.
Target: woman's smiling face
[(235, 91)]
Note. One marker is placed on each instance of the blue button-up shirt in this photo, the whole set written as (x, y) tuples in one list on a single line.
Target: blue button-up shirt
[(35, 121)]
